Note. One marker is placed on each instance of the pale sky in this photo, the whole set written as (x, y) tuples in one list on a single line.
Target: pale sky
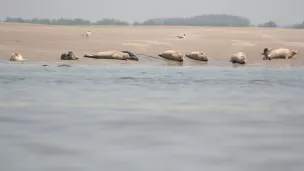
[(258, 11)]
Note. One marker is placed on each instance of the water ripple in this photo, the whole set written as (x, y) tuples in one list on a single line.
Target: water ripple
[(157, 118)]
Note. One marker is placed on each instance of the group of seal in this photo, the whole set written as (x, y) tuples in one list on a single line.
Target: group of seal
[(178, 56), (70, 55), (238, 57)]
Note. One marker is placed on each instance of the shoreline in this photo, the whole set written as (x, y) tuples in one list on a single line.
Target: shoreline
[(270, 65)]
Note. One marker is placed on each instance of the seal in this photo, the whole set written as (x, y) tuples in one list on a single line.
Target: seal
[(278, 53), (70, 55), (198, 56), (16, 57), (132, 56), (172, 55), (109, 55), (239, 58)]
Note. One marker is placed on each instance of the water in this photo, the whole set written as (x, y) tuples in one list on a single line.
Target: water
[(92, 118)]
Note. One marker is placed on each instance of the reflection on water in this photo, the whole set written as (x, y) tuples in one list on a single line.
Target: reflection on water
[(151, 118)]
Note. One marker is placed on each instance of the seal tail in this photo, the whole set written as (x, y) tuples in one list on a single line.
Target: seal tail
[(88, 55)]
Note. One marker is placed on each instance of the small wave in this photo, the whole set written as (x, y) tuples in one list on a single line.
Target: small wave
[(127, 78), (63, 82), (11, 79)]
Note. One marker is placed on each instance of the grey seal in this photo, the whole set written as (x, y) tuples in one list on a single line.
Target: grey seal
[(278, 53), (172, 55), (198, 56), (16, 57), (109, 55), (70, 55), (239, 58)]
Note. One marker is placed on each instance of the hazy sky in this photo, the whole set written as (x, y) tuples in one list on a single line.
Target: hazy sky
[(281, 11)]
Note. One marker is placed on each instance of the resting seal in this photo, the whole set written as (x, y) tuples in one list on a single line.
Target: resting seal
[(239, 58), (16, 57), (109, 55), (70, 55), (197, 56), (172, 55), (278, 53)]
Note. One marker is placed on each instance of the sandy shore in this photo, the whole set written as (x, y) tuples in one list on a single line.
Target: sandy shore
[(43, 43)]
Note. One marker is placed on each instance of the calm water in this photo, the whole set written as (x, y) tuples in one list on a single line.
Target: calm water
[(131, 118)]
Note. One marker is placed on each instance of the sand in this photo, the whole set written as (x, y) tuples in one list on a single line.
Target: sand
[(44, 43)]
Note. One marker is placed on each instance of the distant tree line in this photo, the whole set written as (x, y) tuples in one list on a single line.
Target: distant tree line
[(215, 20), (202, 20), (64, 21), (299, 26), (273, 24), (268, 24)]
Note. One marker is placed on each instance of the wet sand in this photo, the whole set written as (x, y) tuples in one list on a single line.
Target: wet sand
[(44, 43)]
